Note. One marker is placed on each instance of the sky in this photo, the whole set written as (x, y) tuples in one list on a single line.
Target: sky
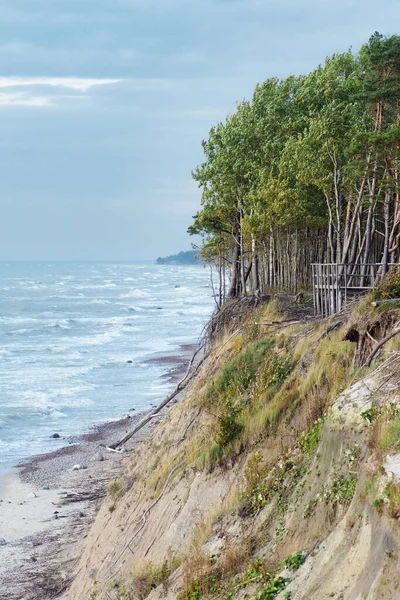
[(104, 103)]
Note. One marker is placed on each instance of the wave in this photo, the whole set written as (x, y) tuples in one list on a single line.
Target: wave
[(136, 294), (74, 338)]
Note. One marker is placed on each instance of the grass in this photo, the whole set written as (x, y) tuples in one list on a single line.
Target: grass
[(330, 365), (392, 493), (147, 576), (390, 285), (389, 436), (240, 371)]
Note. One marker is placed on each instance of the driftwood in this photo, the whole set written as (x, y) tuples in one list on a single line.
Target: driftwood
[(329, 329), (379, 346), (181, 386), (284, 323), (385, 301)]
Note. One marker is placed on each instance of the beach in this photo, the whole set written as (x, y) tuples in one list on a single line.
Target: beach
[(48, 502)]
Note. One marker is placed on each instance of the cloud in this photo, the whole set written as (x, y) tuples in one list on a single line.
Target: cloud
[(23, 100), (73, 83)]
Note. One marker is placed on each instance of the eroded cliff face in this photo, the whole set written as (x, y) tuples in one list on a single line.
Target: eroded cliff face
[(276, 475)]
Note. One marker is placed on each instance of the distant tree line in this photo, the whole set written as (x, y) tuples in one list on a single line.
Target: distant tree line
[(306, 171), (188, 257)]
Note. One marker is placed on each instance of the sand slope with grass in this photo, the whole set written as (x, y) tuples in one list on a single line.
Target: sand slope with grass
[(274, 476)]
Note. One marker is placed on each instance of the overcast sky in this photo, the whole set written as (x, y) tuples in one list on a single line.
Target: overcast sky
[(104, 103)]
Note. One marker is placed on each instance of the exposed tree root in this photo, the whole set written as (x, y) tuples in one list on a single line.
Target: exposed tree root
[(379, 346)]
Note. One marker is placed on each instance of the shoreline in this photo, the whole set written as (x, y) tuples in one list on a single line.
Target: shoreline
[(48, 501)]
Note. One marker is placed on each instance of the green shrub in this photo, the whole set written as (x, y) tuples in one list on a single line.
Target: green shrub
[(273, 588), (342, 489), (378, 504), (310, 440), (115, 488), (240, 371), (278, 369), (294, 561), (229, 428)]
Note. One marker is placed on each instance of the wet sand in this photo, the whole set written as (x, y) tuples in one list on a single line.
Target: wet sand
[(49, 501)]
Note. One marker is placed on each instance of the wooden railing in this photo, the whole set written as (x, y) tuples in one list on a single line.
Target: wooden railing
[(335, 284)]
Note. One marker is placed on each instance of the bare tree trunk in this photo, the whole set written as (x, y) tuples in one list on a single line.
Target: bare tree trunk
[(236, 281)]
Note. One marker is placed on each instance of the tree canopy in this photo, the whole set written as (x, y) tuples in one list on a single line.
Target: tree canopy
[(306, 171)]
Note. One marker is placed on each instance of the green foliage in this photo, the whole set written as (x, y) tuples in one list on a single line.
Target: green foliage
[(230, 390), (115, 488), (309, 441), (370, 414), (239, 372), (273, 588), (378, 504), (278, 369), (229, 428), (262, 486), (342, 489), (294, 561), (296, 166), (389, 436)]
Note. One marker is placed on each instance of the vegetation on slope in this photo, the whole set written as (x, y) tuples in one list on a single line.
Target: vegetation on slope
[(267, 477)]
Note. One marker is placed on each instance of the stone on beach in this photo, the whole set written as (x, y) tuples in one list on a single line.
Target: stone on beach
[(98, 457), (78, 467), (2, 542), (55, 436)]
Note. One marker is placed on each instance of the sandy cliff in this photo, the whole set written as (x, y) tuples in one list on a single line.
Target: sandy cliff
[(276, 475)]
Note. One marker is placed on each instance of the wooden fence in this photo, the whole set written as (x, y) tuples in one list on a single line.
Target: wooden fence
[(335, 284)]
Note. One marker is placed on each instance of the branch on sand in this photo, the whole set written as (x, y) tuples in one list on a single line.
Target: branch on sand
[(181, 386)]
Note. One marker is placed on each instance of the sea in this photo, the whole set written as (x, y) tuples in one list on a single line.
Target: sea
[(75, 339)]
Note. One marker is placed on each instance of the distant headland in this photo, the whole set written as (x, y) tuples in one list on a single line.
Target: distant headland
[(190, 257)]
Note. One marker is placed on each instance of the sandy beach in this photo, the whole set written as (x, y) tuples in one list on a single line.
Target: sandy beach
[(48, 502)]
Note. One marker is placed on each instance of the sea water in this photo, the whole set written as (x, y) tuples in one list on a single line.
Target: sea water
[(67, 332)]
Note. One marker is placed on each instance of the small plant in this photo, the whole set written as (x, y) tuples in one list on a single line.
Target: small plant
[(255, 474), (238, 344), (273, 588), (310, 440), (229, 428), (378, 504), (278, 369), (392, 492), (370, 414), (294, 561), (115, 488), (342, 489)]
